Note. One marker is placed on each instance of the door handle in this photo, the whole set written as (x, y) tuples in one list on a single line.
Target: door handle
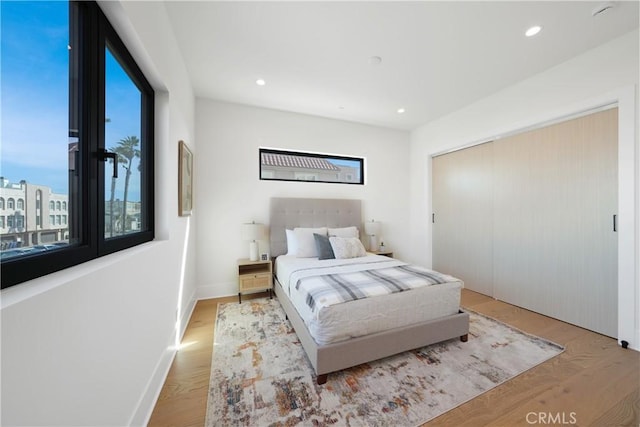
[(615, 223), (104, 155)]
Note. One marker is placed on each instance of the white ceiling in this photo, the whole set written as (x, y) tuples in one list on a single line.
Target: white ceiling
[(436, 56)]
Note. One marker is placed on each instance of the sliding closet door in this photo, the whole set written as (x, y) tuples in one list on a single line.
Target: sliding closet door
[(555, 194), (462, 198)]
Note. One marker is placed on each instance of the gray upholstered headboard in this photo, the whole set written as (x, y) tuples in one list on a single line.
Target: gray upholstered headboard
[(290, 213)]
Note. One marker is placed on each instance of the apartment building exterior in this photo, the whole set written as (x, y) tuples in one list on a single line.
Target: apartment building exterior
[(31, 214)]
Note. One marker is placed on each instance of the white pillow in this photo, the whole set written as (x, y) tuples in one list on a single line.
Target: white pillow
[(292, 242), (306, 243), (344, 232), (347, 247)]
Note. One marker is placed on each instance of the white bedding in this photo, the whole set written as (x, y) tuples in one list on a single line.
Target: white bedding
[(370, 315)]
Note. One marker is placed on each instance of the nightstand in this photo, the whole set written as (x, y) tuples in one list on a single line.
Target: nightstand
[(254, 276), (384, 253)]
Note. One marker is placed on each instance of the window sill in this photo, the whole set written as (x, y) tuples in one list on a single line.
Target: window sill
[(32, 288)]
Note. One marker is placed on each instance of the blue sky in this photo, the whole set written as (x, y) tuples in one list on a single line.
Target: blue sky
[(34, 93), (34, 97), (341, 162)]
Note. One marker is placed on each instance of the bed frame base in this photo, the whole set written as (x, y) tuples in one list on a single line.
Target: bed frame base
[(345, 354)]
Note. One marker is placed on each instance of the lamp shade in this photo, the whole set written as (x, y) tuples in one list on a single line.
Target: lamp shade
[(253, 231), (372, 228)]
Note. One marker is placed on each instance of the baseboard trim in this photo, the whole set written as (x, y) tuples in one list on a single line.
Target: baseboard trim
[(219, 290), (147, 402), (186, 317)]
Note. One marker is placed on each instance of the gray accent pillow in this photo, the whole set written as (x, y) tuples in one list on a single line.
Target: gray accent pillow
[(323, 245)]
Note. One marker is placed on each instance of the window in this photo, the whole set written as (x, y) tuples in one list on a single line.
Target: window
[(38, 213), (1, 203), (303, 176), (278, 165), (20, 204), (11, 204), (2, 221), (64, 61)]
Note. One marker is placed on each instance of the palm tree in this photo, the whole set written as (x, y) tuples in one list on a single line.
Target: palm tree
[(127, 149)]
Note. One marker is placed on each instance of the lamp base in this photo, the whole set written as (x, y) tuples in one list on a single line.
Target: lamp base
[(253, 251), (373, 243)]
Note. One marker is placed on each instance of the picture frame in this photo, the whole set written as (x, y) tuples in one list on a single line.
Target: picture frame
[(185, 179)]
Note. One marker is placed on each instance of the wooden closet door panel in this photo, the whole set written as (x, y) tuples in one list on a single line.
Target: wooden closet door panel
[(555, 193), (462, 197)]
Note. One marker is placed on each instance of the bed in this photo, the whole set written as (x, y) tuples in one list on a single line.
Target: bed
[(336, 334)]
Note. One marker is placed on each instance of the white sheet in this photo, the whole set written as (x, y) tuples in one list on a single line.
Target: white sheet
[(370, 315)]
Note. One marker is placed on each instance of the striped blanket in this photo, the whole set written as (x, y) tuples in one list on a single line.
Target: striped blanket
[(323, 290)]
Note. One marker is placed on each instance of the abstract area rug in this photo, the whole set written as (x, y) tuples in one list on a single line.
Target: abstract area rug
[(260, 375)]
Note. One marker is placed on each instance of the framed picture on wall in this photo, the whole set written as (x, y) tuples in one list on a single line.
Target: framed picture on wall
[(185, 180)]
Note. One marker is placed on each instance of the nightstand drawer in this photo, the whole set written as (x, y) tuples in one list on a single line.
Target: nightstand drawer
[(255, 281), (254, 276)]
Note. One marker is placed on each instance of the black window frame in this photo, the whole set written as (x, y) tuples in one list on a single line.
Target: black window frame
[(91, 35), (360, 161)]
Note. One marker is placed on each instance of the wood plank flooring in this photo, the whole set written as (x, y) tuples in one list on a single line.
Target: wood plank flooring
[(593, 383)]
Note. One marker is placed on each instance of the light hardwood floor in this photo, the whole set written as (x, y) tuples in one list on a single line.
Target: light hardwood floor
[(593, 383)]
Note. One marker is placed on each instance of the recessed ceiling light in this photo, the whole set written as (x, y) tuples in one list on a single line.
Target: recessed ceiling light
[(401, 110), (602, 8), (533, 31), (261, 82)]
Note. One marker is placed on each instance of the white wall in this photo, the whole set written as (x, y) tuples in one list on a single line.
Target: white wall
[(91, 345), (229, 191), (603, 75)]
